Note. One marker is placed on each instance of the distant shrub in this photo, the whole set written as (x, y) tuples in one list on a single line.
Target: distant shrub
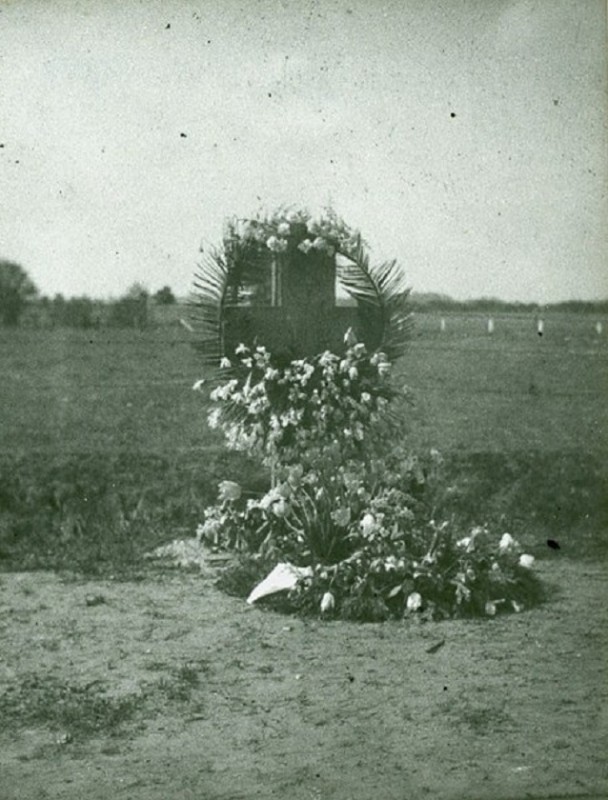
[(164, 296), (129, 312)]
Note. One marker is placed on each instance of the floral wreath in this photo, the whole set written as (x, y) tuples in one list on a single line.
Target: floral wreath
[(380, 289)]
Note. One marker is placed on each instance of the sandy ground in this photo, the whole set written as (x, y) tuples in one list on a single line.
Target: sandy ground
[(513, 707)]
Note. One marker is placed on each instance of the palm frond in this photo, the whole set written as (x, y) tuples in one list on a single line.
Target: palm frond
[(356, 277), (381, 291), (208, 299)]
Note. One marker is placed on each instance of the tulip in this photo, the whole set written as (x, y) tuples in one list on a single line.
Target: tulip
[(305, 245), (367, 524), (199, 385), (490, 608), (526, 561), (280, 508), (506, 543), (414, 602), (350, 338), (327, 603), (283, 229), (517, 606)]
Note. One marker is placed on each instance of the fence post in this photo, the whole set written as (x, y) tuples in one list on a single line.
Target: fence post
[(490, 325), (442, 325), (540, 327), (599, 328)]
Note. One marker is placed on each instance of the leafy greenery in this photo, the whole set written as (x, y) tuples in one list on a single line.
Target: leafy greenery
[(16, 290), (344, 498)]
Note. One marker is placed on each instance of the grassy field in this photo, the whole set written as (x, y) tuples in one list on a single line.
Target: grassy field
[(119, 679), (105, 450)]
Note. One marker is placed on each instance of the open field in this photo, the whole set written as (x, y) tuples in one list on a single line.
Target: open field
[(122, 680), (104, 424)]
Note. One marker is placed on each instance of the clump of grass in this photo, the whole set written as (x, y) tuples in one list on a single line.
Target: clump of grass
[(99, 513), (81, 711), (181, 682)]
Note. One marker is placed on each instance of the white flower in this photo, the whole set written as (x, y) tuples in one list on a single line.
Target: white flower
[(241, 349), (353, 373), (465, 543), (199, 385), (280, 508), (341, 516), (225, 363), (367, 524), (359, 349), (305, 245), (517, 606), (319, 243), (507, 542), (229, 490), (283, 229), (365, 397), (490, 608), (274, 243), (526, 561), (213, 418), (350, 338), (384, 368), (327, 602), (414, 602)]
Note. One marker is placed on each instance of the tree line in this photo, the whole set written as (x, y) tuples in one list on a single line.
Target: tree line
[(19, 296)]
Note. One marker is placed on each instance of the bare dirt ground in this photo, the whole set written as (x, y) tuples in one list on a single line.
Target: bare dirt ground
[(227, 701)]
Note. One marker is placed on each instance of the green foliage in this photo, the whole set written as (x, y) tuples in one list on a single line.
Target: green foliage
[(95, 514), (16, 289), (78, 711), (165, 296)]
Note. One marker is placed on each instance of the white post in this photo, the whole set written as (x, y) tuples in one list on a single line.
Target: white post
[(540, 327), (490, 325), (599, 328), (442, 325)]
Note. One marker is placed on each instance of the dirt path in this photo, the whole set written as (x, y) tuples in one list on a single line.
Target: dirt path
[(225, 701)]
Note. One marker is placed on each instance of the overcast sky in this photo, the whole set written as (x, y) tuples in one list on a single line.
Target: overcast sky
[(466, 138)]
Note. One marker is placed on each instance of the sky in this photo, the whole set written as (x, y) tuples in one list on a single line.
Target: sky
[(465, 138)]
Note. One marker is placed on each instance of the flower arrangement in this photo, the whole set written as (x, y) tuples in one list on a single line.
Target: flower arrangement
[(304, 410), (344, 505), (287, 229), (371, 555), (344, 501)]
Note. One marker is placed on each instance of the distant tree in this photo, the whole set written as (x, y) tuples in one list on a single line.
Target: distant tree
[(164, 296), (136, 291), (16, 290), (131, 310)]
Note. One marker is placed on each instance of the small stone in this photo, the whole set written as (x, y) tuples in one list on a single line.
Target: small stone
[(94, 600)]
